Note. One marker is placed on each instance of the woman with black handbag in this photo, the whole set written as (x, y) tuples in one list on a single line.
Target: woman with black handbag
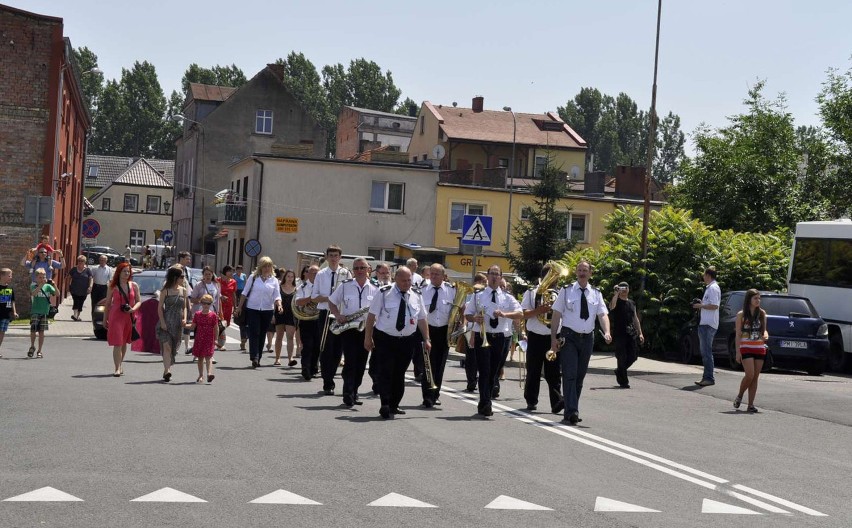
[(122, 302), (261, 297), (626, 332)]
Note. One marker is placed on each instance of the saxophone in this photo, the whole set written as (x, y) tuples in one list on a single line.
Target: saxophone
[(352, 321)]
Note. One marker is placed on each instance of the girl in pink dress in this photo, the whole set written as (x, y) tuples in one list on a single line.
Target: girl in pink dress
[(205, 322)]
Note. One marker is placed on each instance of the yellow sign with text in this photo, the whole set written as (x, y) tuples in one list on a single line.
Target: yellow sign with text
[(286, 225)]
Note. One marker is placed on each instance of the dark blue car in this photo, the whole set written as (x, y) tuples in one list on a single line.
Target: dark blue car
[(798, 337)]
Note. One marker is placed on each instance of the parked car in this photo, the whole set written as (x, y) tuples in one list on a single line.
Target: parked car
[(93, 253), (798, 336), (150, 282)]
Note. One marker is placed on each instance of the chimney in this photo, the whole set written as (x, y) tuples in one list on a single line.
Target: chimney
[(594, 183), (412, 110), (478, 102)]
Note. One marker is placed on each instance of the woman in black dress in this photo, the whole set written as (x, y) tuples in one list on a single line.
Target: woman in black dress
[(626, 332), (285, 321)]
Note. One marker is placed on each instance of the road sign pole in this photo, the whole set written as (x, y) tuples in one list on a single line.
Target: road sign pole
[(473, 271)]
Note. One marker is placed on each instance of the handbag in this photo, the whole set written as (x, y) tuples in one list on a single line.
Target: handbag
[(52, 309), (240, 317)]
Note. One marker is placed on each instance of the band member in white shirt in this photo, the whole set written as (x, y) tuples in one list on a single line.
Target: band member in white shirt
[(101, 274), (383, 277), (327, 280), (308, 329), (350, 303), (574, 313), (395, 313), (538, 344), (493, 311), (438, 298)]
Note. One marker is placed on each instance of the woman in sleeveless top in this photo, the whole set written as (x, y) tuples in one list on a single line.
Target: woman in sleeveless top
[(172, 312), (751, 339), (122, 302), (285, 321)]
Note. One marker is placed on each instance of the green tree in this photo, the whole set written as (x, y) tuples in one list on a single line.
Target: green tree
[(669, 152), (304, 83), (91, 83), (744, 176), (109, 133), (217, 76), (171, 130), (835, 106), (541, 237), (403, 107)]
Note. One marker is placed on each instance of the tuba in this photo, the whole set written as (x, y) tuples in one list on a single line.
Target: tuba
[(457, 323), (308, 312), (548, 289)]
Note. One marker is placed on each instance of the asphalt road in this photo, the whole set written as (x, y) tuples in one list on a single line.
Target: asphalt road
[(70, 427)]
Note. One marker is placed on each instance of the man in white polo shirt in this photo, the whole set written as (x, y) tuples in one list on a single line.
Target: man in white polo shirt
[(574, 314)]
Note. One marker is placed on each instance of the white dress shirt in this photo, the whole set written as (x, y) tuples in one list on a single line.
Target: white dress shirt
[(446, 294), (533, 324), (262, 293), (504, 302), (568, 304), (326, 281), (304, 290), (350, 297), (102, 274), (385, 307)]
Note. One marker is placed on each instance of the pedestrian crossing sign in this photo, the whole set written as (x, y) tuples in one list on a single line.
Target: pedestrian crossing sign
[(477, 230)]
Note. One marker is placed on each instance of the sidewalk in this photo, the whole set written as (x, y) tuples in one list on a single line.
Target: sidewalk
[(62, 326)]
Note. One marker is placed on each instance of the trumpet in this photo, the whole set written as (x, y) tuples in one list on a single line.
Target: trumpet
[(427, 366), (482, 333)]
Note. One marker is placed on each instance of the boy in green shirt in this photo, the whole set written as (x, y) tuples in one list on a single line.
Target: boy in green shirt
[(41, 293), (7, 302)]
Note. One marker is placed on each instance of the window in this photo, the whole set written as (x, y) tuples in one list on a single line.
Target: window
[(131, 203), (386, 196), (457, 212), (422, 124), (525, 213), (153, 205), (263, 122), (105, 203), (575, 227), (385, 254), (540, 164), (503, 163), (823, 262), (93, 171), (137, 237)]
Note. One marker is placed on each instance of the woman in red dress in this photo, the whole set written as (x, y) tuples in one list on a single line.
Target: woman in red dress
[(228, 289), (122, 301)]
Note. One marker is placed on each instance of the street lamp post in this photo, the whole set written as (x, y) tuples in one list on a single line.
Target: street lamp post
[(181, 117), (511, 176)]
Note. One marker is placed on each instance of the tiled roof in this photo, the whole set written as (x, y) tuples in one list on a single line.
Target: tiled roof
[(495, 126), (209, 92), (142, 173), (367, 111), (111, 167)]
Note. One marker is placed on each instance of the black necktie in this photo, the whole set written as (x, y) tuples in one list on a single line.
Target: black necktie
[(493, 320), (400, 315), (332, 282), (584, 305), (434, 303)]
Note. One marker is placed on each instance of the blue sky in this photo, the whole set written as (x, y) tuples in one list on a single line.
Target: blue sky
[(532, 55)]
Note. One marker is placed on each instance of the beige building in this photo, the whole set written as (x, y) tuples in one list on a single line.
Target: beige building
[(305, 204), (133, 209)]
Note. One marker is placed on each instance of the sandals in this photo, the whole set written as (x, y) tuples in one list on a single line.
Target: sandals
[(200, 379), (31, 351), (276, 364), (210, 378), (752, 409), (167, 376), (737, 401), (38, 355)]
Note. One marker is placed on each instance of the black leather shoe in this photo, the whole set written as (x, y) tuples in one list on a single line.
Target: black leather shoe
[(486, 411), (384, 412), (329, 392), (397, 411), (437, 403), (559, 408), (347, 400), (470, 390), (427, 404), (574, 419), (531, 407)]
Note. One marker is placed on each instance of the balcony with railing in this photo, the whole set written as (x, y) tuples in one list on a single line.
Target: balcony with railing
[(231, 213)]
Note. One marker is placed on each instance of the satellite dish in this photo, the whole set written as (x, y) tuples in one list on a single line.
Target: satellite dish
[(438, 152)]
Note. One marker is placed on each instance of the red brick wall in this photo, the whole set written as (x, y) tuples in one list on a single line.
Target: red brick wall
[(347, 134)]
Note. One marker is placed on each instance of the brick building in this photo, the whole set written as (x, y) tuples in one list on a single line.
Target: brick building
[(43, 129)]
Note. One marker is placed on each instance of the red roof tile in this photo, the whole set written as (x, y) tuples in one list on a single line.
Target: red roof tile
[(209, 92)]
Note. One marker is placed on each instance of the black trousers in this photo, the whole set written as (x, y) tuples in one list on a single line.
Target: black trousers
[(310, 356), (626, 352), (501, 362), (417, 355), (393, 355), (438, 359), (330, 357), (99, 292), (487, 364), (470, 369), (352, 342), (258, 322), (537, 347)]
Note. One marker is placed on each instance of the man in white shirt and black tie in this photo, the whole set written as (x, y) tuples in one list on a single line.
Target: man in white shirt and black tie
[(438, 298), (327, 280), (493, 310), (574, 313), (535, 304), (395, 313)]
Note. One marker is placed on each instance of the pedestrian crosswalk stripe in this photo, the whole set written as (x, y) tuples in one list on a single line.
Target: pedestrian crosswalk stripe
[(46, 494), (504, 502), (168, 495), (283, 497), (602, 504), (400, 501), (711, 506)]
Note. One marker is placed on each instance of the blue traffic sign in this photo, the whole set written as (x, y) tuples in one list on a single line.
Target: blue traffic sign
[(91, 228), (476, 230), (253, 247), (167, 236)]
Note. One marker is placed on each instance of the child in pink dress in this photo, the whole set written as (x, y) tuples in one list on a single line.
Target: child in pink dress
[(206, 325)]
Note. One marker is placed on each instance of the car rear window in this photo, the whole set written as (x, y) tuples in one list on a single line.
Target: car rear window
[(149, 285), (787, 305)]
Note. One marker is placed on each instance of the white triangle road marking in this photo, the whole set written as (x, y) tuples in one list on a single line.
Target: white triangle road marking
[(602, 504), (504, 502), (46, 494), (711, 506), (167, 495), (400, 501), (283, 497)]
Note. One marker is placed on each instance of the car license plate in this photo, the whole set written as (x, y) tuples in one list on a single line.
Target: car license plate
[(794, 344)]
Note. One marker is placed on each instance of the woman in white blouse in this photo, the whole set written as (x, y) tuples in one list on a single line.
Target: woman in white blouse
[(261, 297)]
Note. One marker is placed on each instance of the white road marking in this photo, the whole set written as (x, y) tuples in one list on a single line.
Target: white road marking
[(283, 497), (46, 494), (602, 504), (658, 463), (504, 502), (167, 495), (400, 501), (711, 506)]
